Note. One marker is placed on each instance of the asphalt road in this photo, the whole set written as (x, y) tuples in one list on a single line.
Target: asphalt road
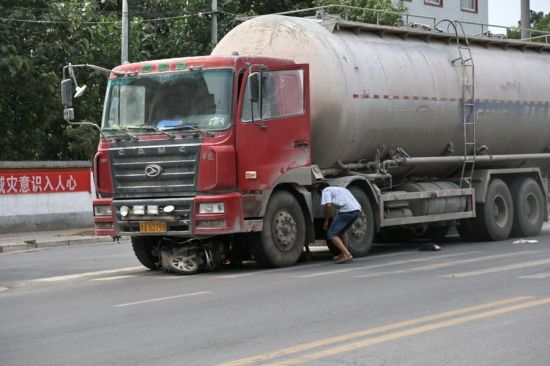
[(468, 304)]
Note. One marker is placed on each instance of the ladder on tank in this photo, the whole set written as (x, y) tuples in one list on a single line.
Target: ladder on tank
[(466, 61)]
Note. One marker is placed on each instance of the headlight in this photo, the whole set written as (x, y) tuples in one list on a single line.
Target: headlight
[(124, 211), (139, 210), (211, 208), (152, 210), (168, 209), (103, 211)]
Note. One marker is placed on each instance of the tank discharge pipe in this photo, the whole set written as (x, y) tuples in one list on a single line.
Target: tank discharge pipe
[(460, 159), (349, 168)]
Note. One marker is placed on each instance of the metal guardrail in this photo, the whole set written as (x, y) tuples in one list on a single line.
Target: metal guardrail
[(546, 38), (377, 12), (431, 23)]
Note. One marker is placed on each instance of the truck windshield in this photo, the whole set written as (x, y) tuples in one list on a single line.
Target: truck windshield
[(169, 101)]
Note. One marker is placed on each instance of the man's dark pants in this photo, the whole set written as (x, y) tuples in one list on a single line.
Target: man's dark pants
[(341, 223)]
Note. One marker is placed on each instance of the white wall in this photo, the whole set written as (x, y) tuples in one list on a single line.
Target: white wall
[(451, 10), (44, 211)]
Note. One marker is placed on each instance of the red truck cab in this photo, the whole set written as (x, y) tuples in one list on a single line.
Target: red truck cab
[(191, 149)]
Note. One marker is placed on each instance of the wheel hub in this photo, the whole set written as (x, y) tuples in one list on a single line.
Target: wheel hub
[(359, 228), (500, 211), (531, 208), (284, 230), (184, 264)]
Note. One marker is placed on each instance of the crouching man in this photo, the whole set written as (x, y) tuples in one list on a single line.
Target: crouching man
[(348, 211)]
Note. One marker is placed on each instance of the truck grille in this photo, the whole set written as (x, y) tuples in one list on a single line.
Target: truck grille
[(178, 222), (176, 166)]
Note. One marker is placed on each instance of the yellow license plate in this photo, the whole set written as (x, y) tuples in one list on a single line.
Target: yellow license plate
[(152, 227)]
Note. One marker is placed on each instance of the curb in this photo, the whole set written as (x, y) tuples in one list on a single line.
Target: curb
[(52, 244)]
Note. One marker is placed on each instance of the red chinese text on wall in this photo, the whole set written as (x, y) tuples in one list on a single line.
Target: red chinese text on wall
[(44, 181)]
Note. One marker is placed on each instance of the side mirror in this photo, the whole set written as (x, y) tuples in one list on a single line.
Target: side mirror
[(67, 93), (254, 83)]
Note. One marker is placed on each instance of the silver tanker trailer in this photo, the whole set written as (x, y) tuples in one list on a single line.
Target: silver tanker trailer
[(428, 129)]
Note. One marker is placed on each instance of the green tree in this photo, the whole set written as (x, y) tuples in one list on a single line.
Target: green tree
[(384, 16), (540, 25), (39, 37), (541, 28)]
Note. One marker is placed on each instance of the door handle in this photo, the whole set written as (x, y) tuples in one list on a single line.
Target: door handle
[(300, 144)]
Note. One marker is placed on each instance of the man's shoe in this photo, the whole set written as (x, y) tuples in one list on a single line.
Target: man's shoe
[(344, 259)]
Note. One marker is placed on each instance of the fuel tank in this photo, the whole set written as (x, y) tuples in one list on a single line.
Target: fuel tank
[(377, 89)]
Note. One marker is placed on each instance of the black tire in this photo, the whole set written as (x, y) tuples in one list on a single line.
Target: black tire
[(466, 230), (437, 233), (528, 207), (496, 216), (282, 239), (396, 235), (361, 233), (146, 250), (404, 235)]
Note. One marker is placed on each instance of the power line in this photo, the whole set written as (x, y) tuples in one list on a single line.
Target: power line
[(170, 18), (199, 14), (66, 11), (31, 21), (35, 21)]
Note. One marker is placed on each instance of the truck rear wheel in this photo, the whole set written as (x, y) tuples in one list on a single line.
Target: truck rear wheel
[(528, 207), (437, 233), (466, 230), (496, 216), (147, 251), (283, 236)]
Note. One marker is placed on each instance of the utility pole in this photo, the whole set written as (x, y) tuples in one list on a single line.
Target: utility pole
[(125, 31), (525, 21), (214, 22)]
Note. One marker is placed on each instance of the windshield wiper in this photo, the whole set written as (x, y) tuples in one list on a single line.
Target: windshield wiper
[(124, 131), (192, 128), (152, 128)]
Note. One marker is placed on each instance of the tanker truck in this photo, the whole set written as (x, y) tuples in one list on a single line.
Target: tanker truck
[(207, 159)]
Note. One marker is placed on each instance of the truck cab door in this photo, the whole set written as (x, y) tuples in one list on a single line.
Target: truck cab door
[(273, 131)]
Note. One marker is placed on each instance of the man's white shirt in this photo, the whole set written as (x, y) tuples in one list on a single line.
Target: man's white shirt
[(340, 198)]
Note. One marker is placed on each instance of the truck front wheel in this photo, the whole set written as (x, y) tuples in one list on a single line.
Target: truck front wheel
[(361, 233), (283, 236), (146, 249)]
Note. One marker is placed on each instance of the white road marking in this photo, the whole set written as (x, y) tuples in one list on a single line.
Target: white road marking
[(537, 276), (171, 276), (380, 274), (394, 254), (471, 260), (162, 299), (2, 288), (235, 275), (499, 269), (442, 265), (88, 274), (371, 266), (294, 269), (113, 278)]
